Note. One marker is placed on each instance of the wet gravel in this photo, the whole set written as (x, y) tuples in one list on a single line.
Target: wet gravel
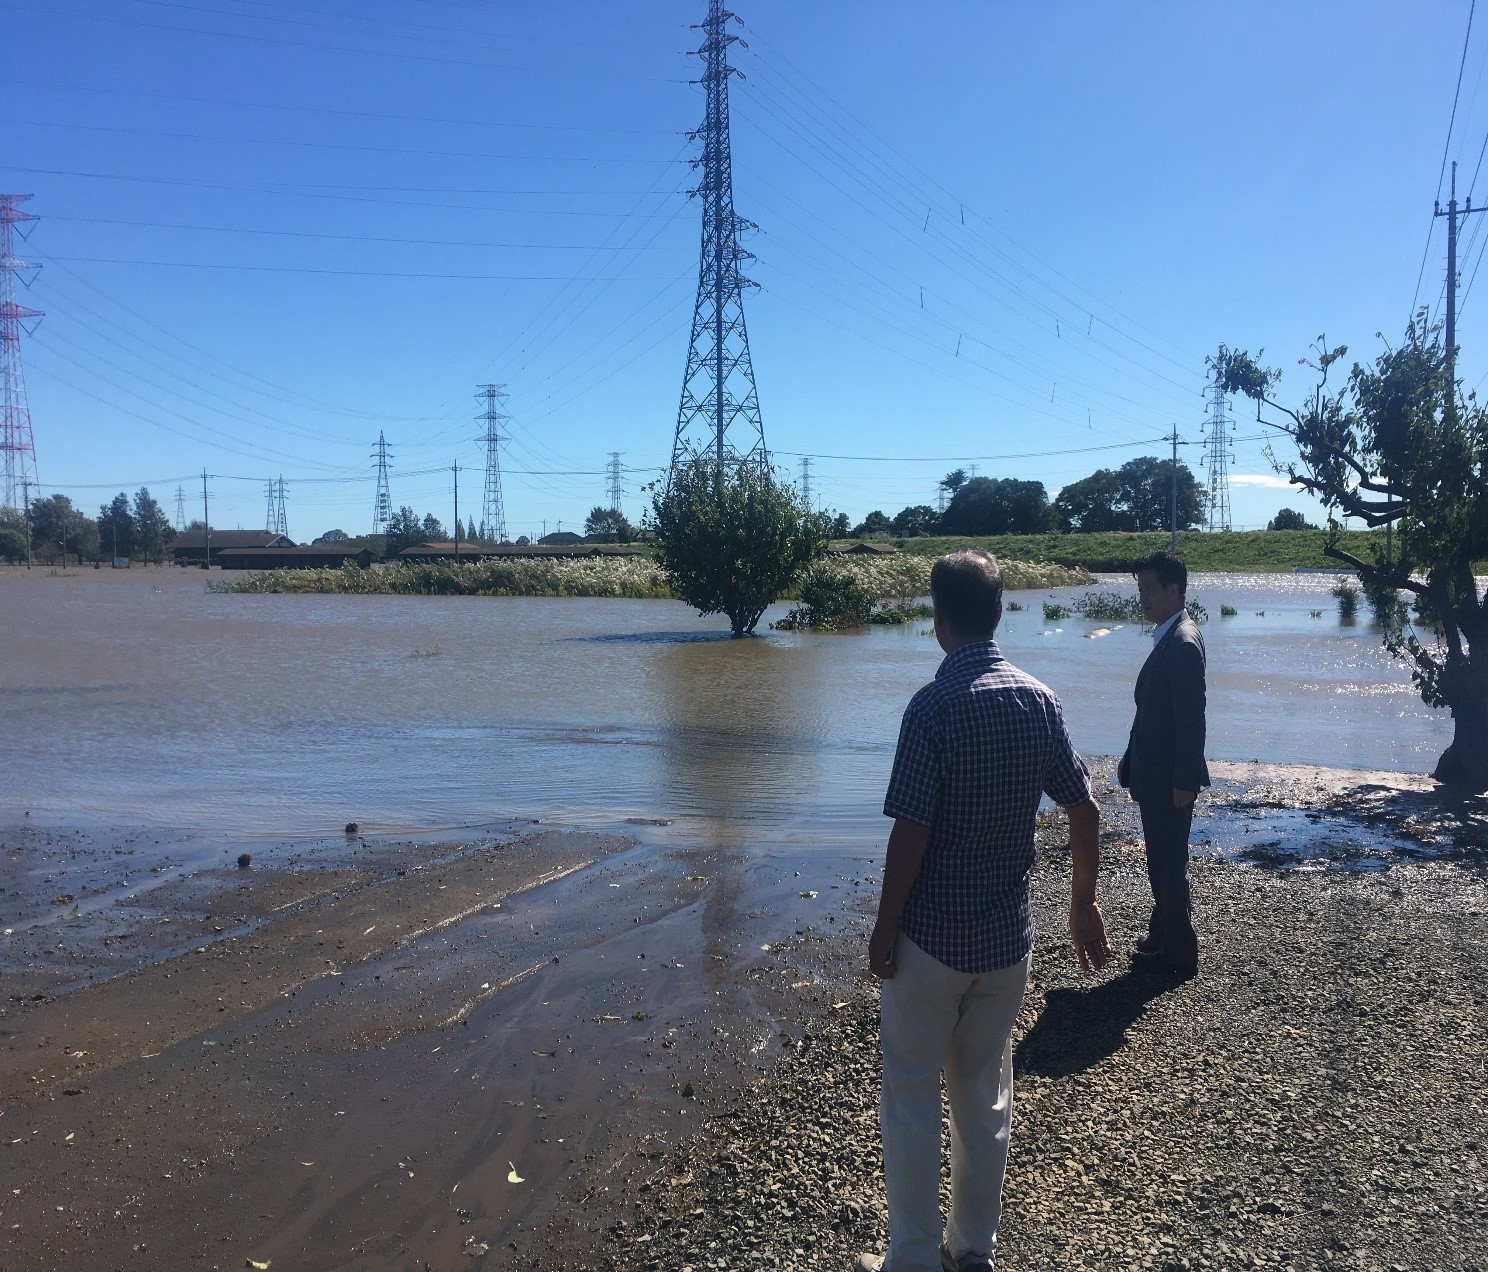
[(1313, 1099)]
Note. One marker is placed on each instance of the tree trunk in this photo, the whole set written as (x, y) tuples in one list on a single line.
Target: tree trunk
[(1463, 766)]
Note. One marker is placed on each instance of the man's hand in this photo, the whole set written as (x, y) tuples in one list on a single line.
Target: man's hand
[(1184, 799), (1088, 932), (881, 949)]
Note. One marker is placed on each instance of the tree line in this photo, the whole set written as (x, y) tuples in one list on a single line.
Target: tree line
[(1136, 496), (58, 532)]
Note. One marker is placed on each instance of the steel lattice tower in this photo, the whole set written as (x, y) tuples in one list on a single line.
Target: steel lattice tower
[(616, 482), (493, 509), (806, 481), (16, 442), (281, 518), (180, 509), (718, 391), (269, 517), (1219, 455), (382, 511)]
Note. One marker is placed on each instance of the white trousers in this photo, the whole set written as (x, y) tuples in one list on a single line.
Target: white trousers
[(936, 1019)]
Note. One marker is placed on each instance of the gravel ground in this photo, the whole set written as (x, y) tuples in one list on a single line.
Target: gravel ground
[(1313, 1099)]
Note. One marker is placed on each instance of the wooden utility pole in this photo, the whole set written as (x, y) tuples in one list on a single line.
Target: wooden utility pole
[(206, 524), (1452, 213), (457, 510)]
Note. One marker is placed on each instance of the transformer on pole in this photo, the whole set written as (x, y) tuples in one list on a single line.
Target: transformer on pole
[(1219, 455), (16, 442), (616, 484), (718, 390), (382, 511), (493, 509)]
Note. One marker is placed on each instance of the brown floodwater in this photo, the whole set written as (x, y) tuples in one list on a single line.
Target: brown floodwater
[(139, 699)]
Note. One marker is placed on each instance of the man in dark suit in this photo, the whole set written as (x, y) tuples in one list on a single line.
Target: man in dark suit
[(1163, 767)]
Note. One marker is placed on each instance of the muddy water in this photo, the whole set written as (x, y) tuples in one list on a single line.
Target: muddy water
[(139, 699)]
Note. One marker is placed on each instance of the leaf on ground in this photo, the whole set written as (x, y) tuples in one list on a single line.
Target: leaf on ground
[(512, 1177), (838, 1006), (254, 1263)]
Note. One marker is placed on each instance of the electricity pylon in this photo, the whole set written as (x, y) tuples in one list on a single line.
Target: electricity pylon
[(718, 390)]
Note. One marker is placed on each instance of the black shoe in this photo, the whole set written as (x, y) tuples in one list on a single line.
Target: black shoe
[(1149, 944)]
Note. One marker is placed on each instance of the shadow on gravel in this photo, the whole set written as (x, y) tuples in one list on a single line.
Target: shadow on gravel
[(1435, 824), (1079, 1028)]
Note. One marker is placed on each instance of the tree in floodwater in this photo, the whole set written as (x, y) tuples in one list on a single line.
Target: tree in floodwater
[(1399, 445), (732, 537)]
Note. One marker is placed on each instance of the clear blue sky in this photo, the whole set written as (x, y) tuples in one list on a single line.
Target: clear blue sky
[(272, 229)]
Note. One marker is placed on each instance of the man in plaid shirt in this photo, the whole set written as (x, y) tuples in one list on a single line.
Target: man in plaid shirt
[(978, 747)]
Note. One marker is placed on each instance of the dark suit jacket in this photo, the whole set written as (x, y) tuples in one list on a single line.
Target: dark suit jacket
[(1166, 749)]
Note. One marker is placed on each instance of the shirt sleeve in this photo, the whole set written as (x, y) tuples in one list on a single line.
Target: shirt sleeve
[(914, 785), (1067, 776)]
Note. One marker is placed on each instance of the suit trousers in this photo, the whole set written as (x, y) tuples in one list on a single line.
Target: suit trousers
[(934, 1018), (1165, 830)]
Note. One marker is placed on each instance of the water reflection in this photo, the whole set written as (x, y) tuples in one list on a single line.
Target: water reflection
[(738, 728)]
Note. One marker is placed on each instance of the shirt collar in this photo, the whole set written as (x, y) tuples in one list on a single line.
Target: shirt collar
[(1163, 628), (975, 653)]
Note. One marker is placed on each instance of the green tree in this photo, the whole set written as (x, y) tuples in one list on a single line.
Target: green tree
[(732, 538), (1004, 505), (333, 536), (840, 526), (953, 481), (12, 536), (608, 525), (432, 529), (1147, 489), (917, 520), (152, 528), (1400, 445), (59, 531), (1091, 504), (1288, 519), (116, 527), (1137, 496), (404, 530), (874, 523)]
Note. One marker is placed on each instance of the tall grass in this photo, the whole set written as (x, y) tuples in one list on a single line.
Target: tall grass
[(885, 578)]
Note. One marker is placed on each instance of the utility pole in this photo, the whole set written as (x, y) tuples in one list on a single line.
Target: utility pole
[(1452, 213), (718, 390), (457, 510), (281, 524), (806, 481), (180, 509), (206, 524), (269, 517), (1173, 492)]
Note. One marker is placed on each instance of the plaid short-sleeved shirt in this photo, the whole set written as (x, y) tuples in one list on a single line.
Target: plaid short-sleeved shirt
[(977, 748)]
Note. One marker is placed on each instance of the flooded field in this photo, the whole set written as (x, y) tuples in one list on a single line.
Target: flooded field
[(137, 699)]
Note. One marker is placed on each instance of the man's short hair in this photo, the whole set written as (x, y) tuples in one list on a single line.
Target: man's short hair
[(1168, 568), (967, 589)]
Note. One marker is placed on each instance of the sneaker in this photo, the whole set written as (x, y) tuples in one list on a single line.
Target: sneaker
[(969, 1262), (869, 1263)]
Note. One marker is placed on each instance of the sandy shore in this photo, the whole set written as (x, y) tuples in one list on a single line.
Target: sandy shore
[(554, 1050)]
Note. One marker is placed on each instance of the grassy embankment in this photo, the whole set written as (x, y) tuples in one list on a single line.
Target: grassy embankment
[(1241, 551), (889, 578)]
